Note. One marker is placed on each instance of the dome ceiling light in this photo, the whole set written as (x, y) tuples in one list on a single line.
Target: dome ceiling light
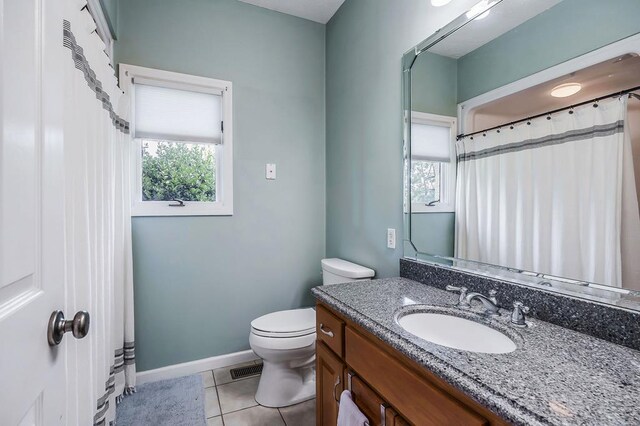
[(565, 90)]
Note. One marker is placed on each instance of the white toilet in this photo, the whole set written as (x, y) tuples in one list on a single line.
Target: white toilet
[(286, 342)]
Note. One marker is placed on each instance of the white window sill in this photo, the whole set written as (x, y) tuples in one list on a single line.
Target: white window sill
[(438, 208), (162, 208)]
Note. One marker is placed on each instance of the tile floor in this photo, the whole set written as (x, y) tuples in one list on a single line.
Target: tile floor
[(231, 402)]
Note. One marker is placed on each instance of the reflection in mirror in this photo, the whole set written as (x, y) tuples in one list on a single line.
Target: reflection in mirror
[(524, 146)]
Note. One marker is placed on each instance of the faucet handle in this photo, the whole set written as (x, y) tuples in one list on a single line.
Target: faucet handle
[(520, 305), (492, 296), (463, 294), (517, 316), (454, 288)]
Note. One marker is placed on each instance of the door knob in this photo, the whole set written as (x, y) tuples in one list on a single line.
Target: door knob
[(79, 326)]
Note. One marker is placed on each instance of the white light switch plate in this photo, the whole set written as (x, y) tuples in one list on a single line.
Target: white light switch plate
[(271, 171), (391, 238)]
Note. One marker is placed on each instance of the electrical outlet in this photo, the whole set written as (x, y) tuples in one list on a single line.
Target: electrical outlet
[(391, 238), (271, 171)]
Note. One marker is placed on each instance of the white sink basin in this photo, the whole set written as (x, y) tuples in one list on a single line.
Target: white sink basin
[(455, 332)]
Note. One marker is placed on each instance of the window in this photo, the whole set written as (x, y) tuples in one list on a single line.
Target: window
[(433, 164), (182, 133)]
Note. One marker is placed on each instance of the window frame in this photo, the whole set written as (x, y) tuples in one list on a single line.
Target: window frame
[(103, 29), (223, 206), (448, 170)]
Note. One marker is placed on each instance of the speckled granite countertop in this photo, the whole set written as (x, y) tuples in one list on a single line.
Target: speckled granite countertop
[(556, 376)]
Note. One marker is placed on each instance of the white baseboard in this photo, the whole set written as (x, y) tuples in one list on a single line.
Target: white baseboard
[(192, 367)]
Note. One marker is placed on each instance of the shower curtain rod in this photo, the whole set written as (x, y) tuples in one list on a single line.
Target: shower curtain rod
[(595, 100)]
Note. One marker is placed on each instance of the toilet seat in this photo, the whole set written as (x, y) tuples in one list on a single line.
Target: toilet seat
[(272, 335), (285, 324), (281, 344)]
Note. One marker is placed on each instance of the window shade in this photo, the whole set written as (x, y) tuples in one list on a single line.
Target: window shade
[(178, 115), (430, 142)]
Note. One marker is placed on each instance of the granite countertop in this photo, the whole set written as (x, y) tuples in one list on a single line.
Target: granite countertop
[(556, 376)]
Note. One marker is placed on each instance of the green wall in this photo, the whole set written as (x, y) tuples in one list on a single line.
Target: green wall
[(567, 30), (199, 281), (365, 43), (433, 233), (110, 8), (434, 84)]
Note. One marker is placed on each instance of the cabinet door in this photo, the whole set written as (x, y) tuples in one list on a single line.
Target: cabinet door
[(329, 385), (367, 400), (394, 419)]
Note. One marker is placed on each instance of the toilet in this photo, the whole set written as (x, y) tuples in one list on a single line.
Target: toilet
[(286, 342)]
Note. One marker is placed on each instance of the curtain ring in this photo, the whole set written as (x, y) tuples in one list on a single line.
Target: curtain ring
[(484, 134), (528, 123), (595, 105), (570, 110), (511, 127)]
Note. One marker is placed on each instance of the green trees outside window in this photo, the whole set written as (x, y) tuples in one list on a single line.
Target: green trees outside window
[(178, 170), (425, 181)]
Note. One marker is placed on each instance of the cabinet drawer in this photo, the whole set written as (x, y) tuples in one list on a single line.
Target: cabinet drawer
[(330, 330), (367, 400), (420, 401)]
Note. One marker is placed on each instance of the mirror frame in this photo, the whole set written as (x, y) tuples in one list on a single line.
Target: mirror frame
[(594, 292)]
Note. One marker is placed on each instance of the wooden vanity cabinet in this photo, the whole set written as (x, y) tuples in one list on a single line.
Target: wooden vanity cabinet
[(389, 388)]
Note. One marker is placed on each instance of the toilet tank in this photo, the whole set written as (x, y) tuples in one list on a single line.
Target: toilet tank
[(336, 271)]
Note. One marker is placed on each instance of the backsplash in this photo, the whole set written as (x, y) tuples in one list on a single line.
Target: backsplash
[(617, 325)]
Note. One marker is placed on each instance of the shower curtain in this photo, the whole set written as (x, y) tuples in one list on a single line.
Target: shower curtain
[(98, 223), (547, 195)]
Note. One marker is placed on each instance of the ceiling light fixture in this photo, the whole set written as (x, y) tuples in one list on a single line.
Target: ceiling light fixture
[(565, 90), (438, 3), (479, 8)]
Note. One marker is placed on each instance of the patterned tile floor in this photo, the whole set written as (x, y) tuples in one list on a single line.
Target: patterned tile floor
[(231, 402)]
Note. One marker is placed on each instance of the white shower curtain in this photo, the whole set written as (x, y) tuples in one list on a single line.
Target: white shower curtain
[(547, 196), (98, 222)]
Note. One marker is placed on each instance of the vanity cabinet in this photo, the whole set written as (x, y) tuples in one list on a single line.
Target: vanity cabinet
[(389, 388)]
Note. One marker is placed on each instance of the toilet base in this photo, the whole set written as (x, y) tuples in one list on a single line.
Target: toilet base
[(280, 385)]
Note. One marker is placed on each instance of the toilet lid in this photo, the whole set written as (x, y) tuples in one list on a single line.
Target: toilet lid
[(291, 323)]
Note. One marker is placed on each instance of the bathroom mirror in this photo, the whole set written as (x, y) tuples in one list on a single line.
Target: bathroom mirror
[(522, 146)]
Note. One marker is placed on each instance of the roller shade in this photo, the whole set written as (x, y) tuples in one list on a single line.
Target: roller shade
[(178, 115), (430, 142)]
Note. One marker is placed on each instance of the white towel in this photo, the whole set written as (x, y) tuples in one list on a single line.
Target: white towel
[(348, 413)]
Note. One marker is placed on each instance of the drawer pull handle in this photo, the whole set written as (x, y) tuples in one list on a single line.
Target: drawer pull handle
[(327, 332), (335, 385)]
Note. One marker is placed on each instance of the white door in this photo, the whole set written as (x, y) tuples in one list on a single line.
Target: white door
[(32, 374)]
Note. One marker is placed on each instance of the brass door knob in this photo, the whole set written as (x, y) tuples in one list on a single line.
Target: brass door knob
[(79, 326)]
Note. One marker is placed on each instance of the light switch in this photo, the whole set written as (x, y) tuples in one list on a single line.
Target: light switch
[(271, 171), (391, 238)]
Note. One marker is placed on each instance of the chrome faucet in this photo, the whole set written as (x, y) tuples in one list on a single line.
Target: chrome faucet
[(490, 303)]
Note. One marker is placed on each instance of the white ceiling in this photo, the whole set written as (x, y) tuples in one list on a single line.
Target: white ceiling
[(314, 10), (503, 17), (597, 80)]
